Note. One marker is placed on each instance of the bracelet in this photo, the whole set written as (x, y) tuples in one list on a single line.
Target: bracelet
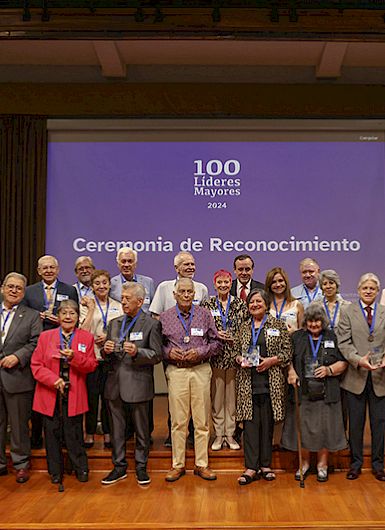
[(330, 370)]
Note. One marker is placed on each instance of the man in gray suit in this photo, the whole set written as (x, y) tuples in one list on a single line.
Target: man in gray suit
[(133, 346), (20, 329)]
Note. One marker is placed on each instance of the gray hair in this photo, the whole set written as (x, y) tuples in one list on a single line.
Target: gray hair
[(137, 288), (126, 250), (184, 280), (49, 257), (84, 258), (68, 303), (315, 312), (179, 257), (330, 274), (262, 293), (305, 261), (16, 275), (369, 276)]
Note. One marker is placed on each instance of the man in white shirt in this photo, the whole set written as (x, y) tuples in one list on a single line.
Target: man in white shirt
[(309, 290)]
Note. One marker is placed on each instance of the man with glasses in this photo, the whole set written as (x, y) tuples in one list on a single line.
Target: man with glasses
[(84, 267)]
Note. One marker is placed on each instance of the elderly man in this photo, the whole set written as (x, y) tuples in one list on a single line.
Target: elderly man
[(190, 339), (84, 267), (45, 296), (20, 329), (127, 260), (244, 283), (133, 346), (309, 290)]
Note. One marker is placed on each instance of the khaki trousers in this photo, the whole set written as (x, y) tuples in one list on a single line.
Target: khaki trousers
[(189, 393), (223, 401)]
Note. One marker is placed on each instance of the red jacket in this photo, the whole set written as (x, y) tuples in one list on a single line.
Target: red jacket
[(46, 368)]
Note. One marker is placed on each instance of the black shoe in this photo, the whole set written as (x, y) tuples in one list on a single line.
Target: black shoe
[(3, 472), (379, 475), (107, 445), (353, 474), (142, 477), (82, 476), (55, 479), (115, 475), (167, 442), (88, 445)]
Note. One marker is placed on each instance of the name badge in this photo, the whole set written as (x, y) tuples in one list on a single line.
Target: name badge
[(82, 348), (196, 332), (215, 313), (136, 335), (329, 344), (61, 297), (273, 333), (147, 300), (196, 302)]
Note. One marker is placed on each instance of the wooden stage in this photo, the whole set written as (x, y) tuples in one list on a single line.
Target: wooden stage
[(191, 502)]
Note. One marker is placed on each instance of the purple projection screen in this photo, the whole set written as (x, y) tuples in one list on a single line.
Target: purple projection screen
[(278, 201)]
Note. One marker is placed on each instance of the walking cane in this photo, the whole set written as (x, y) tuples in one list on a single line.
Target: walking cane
[(299, 436), (61, 439)]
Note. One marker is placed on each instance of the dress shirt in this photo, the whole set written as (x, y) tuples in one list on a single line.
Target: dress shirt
[(164, 296), (146, 281), (300, 294), (83, 290)]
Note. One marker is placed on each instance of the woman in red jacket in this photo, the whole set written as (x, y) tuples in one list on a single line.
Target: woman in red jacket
[(62, 359)]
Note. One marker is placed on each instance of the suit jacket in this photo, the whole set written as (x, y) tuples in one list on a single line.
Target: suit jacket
[(132, 377), (45, 364), (34, 298), (254, 285), (353, 333), (146, 281), (21, 340)]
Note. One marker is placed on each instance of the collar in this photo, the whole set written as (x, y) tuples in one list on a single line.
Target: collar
[(3, 308), (247, 286), (53, 285)]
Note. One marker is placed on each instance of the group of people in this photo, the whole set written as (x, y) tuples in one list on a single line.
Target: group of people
[(252, 356)]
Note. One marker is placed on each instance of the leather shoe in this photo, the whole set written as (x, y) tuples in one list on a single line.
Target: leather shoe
[(353, 474), (379, 475), (174, 474), (22, 475), (205, 472), (82, 476), (3, 472), (55, 479)]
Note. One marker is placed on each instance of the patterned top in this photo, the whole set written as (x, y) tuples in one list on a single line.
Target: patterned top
[(238, 314)]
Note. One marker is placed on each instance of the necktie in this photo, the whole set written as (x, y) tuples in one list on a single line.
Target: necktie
[(369, 318), (243, 294), (49, 293)]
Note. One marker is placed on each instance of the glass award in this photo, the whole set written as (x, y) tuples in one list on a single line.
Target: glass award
[(375, 357), (310, 368), (251, 357)]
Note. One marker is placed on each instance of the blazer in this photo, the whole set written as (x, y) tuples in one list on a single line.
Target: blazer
[(353, 333), (254, 285), (34, 298), (146, 281), (46, 370), (21, 340), (131, 378)]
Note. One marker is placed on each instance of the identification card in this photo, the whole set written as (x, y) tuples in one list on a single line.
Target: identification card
[(61, 297), (147, 300), (215, 313), (329, 344), (273, 333), (136, 335), (196, 332), (82, 348), (196, 302)]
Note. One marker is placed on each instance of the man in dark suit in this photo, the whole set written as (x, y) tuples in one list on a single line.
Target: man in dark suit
[(20, 329), (133, 346), (244, 283), (45, 296)]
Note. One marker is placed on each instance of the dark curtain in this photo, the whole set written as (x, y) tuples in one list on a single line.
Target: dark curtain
[(23, 184)]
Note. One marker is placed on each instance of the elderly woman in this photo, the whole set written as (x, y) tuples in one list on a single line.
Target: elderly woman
[(263, 350), (95, 313), (317, 363), (361, 337), (283, 305), (62, 359), (229, 313), (332, 301)]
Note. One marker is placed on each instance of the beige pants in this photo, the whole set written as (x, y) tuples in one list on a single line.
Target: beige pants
[(189, 393), (223, 401)]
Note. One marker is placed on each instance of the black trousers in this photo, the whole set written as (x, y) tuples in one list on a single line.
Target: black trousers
[(258, 434), (96, 382), (357, 415), (60, 428)]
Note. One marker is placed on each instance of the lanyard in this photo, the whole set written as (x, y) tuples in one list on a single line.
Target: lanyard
[(278, 314), (182, 320), (48, 304), (332, 322), (104, 315), (315, 349), (125, 329), (309, 297), (371, 328), (224, 316), (5, 319), (256, 334), (88, 289), (69, 342)]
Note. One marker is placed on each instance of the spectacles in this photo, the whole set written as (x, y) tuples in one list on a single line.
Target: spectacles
[(12, 287)]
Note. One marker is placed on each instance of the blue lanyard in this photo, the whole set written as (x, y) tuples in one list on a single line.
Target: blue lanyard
[(224, 316), (315, 349), (6, 318), (311, 298), (256, 334), (80, 289), (332, 322), (47, 304), (69, 342), (371, 328), (182, 320), (278, 314), (124, 329), (104, 315)]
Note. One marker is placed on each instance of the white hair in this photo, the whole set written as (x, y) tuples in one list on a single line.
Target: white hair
[(369, 276), (180, 256), (47, 257), (126, 250), (137, 288)]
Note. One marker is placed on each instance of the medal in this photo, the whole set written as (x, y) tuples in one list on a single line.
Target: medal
[(370, 338), (186, 339), (186, 327)]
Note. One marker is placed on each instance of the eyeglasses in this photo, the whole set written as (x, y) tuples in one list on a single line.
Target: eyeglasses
[(12, 287)]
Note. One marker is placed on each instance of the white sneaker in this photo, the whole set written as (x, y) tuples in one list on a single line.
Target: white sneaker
[(233, 444), (217, 443)]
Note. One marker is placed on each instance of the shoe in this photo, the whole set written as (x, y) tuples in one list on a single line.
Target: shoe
[(37, 444), (88, 445), (322, 474), (305, 473), (55, 479), (115, 475), (107, 445), (82, 476), (233, 444), (246, 479), (167, 442), (205, 472), (174, 474), (142, 477), (3, 472), (379, 475), (268, 475), (217, 443), (353, 474), (22, 475), (238, 434)]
